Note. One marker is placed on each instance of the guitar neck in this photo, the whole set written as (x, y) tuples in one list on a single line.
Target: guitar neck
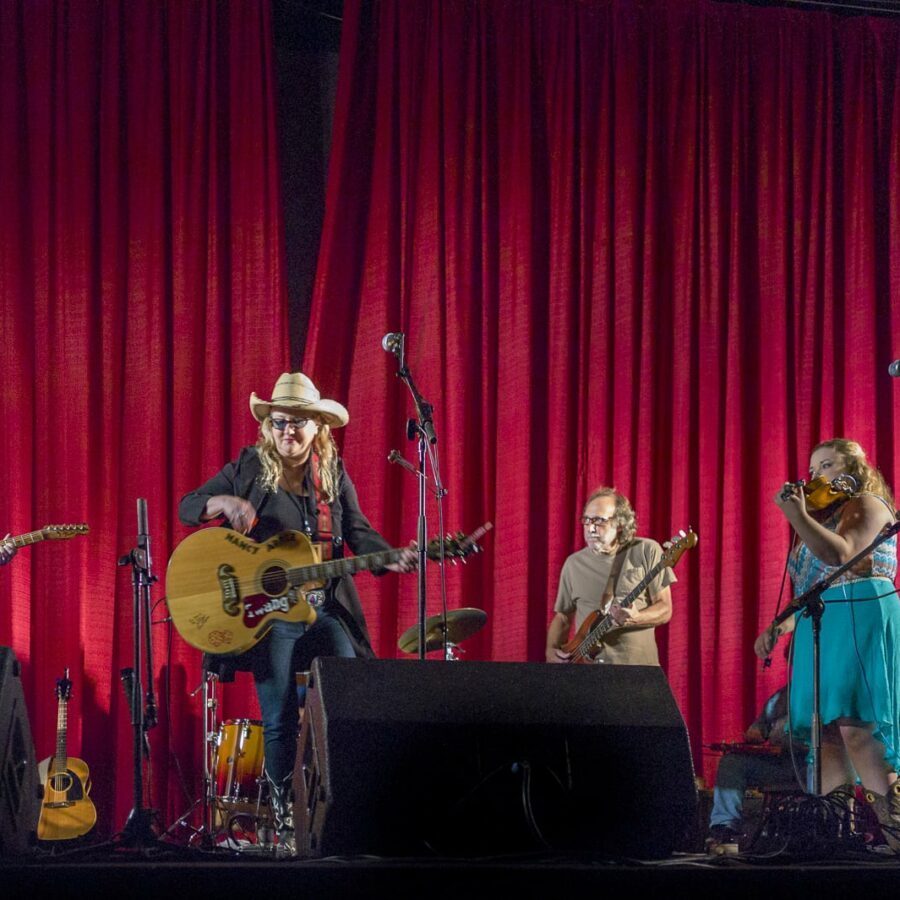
[(32, 537), (62, 719), (607, 623), (335, 568)]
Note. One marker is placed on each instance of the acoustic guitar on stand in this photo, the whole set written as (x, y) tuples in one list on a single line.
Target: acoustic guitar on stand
[(66, 811), (589, 638)]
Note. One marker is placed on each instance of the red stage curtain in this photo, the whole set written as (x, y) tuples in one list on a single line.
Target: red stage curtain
[(142, 300), (648, 244)]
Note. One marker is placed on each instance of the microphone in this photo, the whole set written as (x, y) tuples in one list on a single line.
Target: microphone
[(143, 537), (395, 457), (894, 369), (392, 342)]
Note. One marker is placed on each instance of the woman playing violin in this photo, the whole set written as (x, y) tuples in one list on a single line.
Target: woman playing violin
[(860, 668)]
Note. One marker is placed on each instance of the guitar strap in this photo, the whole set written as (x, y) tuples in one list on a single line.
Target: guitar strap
[(326, 535), (609, 592)]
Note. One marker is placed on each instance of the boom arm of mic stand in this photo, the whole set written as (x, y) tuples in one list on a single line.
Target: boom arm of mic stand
[(424, 410)]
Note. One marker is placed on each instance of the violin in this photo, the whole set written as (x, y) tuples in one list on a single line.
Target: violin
[(821, 492)]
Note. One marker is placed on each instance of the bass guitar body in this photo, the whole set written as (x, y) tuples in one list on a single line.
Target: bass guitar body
[(581, 649)]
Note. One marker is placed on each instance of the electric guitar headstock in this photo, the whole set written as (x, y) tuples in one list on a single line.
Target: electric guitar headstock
[(63, 532), (677, 545)]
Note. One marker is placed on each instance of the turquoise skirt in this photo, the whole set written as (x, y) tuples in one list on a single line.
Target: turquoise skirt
[(860, 662)]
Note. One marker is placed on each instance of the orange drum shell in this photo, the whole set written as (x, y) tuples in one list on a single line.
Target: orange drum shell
[(240, 761)]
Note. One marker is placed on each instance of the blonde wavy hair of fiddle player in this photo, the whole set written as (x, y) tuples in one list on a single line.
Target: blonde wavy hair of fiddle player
[(868, 478)]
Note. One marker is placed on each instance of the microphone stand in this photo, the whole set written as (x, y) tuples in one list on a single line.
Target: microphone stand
[(138, 831), (421, 429), (811, 605)]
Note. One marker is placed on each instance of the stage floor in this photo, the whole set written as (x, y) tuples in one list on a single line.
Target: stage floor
[(219, 874)]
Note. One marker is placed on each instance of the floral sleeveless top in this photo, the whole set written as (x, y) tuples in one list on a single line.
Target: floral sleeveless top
[(805, 569)]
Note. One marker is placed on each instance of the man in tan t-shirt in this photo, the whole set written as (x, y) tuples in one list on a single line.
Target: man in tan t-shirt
[(602, 574)]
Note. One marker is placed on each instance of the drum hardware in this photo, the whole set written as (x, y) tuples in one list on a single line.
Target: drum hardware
[(234, 806), (461, 624), (204, 835)]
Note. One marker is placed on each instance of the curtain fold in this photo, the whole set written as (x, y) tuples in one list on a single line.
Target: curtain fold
[(142, 300), (649, 244)]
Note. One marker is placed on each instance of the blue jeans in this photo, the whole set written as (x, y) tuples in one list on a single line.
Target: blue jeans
[(290, 647), (738, 771)]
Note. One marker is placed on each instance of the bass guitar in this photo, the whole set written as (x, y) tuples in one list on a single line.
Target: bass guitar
[(66, 811), (225, 591), (585, 646)]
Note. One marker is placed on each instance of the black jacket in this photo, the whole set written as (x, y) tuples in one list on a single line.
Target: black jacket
[(240, 478)]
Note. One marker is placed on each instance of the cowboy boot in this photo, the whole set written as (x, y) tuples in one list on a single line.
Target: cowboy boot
[(283, 813), (887, 810)]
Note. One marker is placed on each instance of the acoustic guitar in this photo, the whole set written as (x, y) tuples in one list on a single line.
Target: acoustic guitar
[(588, 640), (225, 591), (66, 811)]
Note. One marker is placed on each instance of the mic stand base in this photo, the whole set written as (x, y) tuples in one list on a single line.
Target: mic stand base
[(138, 830)]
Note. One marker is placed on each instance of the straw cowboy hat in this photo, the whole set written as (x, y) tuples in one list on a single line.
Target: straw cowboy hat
[(294, 390)]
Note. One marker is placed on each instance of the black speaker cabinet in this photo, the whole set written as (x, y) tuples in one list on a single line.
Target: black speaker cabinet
[(403, 758), (20, 788)]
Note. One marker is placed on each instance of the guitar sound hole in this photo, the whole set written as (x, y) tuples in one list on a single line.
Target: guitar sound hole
[(274, 581), (61, 782)]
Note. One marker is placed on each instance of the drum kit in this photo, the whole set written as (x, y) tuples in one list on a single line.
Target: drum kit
[(235, 811), (235, 803)]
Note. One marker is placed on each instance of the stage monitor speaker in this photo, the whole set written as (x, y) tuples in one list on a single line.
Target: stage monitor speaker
[(405, 758), (20, 787)]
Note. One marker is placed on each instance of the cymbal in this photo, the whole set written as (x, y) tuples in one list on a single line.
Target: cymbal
[(461, 624)]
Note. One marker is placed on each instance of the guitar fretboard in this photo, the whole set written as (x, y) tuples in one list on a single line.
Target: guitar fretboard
[(607, 623), (32, 537), (337, 567), (62, 721)]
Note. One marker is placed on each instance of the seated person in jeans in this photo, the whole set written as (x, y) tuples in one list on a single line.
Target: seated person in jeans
[(739, 770)]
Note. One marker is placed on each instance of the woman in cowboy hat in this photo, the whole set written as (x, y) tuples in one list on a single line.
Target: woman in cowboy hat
[(294, 479)]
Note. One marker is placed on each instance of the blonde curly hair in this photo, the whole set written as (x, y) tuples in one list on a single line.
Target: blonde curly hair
[(323, 446), (869, 479)]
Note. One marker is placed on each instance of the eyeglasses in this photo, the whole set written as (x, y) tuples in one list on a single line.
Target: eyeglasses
[(281, 424), (596, 521)]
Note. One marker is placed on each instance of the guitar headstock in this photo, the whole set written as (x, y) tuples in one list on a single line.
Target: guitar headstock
[(458, 546), (677, 544), (63, 532), (64, 688)]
